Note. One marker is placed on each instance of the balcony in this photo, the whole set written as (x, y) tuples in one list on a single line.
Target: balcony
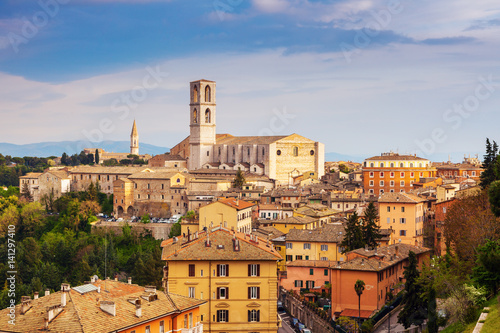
[(196, 329)]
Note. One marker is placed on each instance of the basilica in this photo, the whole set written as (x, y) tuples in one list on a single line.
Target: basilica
[(280, 157)]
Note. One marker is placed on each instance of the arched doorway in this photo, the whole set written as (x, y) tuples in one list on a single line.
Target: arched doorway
[(130, 211), (120, 211)]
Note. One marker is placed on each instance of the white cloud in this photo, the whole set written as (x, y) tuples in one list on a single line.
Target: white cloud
[(271, 6)]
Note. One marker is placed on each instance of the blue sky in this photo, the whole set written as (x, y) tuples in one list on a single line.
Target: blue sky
[(363, 77)]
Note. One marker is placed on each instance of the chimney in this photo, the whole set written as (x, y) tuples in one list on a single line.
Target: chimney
[(25, 304), (93, 278), (150, 289), (52, 312), (47, 292), (362, 261), (35, 296), (64, 291), (129, 280), (379, 264), (99, 289), (138, 310), (366, 247), (108, 307), (207, 242)]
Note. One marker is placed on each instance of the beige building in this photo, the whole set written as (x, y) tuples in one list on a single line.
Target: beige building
[(168, 161), (279, 157), (234, 272), (30, 180), (231, 213), (53, 183)]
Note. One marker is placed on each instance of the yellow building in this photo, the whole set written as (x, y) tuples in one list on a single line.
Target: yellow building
[(230, 213), (292, 222), (318, 244), (317, 211), (236, 273), (404, 214)]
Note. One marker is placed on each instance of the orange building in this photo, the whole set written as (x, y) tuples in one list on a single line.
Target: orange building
[(104, 306), (306, 274), (469, 168), (380, 269), (392, 172)]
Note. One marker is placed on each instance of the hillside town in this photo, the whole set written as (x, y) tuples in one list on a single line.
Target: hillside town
[(254, 234)]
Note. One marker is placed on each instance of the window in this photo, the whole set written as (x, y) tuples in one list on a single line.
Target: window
[(207, 116), (191, 292), (388, 208), (207, 94), (402, 232), (381, 165), (253, 292), (222, 292), (371, 184), (162, 326), (402, 183), (309, 284), (223, 270), (402, 174), (326, 272), (298, 257), (289, 258), (298, 283), (311, 152), (190, 320), (148, 329), (278, 152), (289, 245), (392, 174), (195, 116), (381, 183), (372, 174), (324, 247), (402, 209), (372, 165), (254, 270), (402, 220), (388, 220), (311, 271), (295, 151), (412, 174), (392, 183), (253, 315), (195, 94), (201, 272), (323, 258), (382, 174), (222, 316), (307, 246)]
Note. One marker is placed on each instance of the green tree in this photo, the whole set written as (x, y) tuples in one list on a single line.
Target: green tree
[(145, 219), (239, 180), (490, 164), (494, 197), (32, 217), (96, 156), (353, 237), (414, 310), (370, 228), (175, 230), (487, 270), (359, 287), (343, 168), (432, 324), (26, 193)]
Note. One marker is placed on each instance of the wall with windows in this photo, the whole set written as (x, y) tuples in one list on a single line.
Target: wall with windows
[(405, 219), (307, 275)]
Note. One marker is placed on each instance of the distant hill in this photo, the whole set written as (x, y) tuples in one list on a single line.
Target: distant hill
[(333, 157), (46, 149)]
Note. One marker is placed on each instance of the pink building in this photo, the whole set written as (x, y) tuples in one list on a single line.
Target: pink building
[(307, 274)]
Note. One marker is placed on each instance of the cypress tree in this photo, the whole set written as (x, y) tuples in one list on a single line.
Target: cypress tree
[(490, 163), (96, 156), (353, 238), (370, 228), (414, 311), (432, 323)]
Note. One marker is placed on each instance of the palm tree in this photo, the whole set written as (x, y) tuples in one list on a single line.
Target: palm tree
[(359, 286)]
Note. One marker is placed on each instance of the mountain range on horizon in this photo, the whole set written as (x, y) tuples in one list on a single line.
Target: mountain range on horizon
[(46, 149)]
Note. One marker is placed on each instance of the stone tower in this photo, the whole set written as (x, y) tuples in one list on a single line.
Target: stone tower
[(202, 123), (134, 140)]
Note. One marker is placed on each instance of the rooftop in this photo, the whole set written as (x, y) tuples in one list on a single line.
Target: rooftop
[(400, 197), (329, 233)]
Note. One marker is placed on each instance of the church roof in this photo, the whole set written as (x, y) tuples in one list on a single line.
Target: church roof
[(241, 140)]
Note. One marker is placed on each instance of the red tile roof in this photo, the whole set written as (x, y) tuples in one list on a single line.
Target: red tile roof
[(236, 203)]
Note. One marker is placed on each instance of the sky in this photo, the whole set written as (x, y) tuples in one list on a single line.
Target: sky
[(361, 76)]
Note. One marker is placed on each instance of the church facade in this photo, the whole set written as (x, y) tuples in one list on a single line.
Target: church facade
[(279, 157)]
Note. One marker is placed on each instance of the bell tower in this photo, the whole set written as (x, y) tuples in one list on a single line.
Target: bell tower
[(202, 123), (134, 140)]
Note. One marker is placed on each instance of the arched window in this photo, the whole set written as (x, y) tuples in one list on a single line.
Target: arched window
[(234, 151), (295, 151), (207, 116), (195, 116), (371, 165), (195, 94), (219, 151), (263, 151), (248, 151), (401, 165), (381, 165), (207, 94), (411, 165), (392, 165)]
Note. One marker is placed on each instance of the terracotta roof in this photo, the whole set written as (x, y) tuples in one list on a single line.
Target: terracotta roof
[(396, 157), (153, 175), (82, 312), (32, 175), (293, 220), (241, 140), (356, 313), (59, 173), (236, 203), (221, 247), (329, 233), (315, 212), (109, 170), (270, 232), (270, 207), (400, 197), (168, 157), (310, 263)]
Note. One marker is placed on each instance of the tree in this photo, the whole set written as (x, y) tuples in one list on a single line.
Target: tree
[(175, 230), (359, 287), (353, 238), (9, 216), (32, 217), (370, 228), (487, 270), (64, 159), (26, 193), (96, 156), (414, 311), (494, 197), (490, 164), (239, 180), (343, 168), (145, 219), (432, 324)]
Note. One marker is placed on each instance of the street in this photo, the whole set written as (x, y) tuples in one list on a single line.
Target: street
[(285, 323)]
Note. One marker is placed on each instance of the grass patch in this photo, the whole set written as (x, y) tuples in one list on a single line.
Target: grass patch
[(492, 322), (486, 311), (481, 321), (459, 327)]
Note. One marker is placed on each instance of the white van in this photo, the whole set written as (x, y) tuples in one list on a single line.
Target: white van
[(175, 218)]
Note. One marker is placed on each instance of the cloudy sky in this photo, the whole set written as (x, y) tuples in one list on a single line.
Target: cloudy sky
[(361, 76)]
